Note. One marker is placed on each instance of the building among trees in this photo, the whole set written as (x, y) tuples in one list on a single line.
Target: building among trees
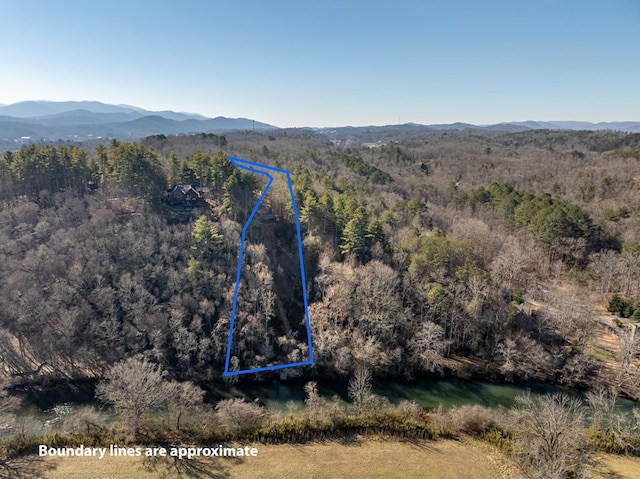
[(184, 195)]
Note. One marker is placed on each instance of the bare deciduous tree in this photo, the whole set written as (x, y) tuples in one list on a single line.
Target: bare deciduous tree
[(427, 345), (134, 386), (186, 397), (629, 372), (550, 436), (84, 420), (238, 415), (521, 357), (510, 264), (361, 392)]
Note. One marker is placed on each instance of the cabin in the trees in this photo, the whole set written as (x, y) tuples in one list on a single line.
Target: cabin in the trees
[(184, 195)]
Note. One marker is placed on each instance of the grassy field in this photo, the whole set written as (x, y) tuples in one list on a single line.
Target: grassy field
[(390, 459), (366, 459), (617, 467)]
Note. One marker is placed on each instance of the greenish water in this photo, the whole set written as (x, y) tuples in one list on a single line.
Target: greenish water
[(455, 392), (45, 408), (426, 393), (278, 395)]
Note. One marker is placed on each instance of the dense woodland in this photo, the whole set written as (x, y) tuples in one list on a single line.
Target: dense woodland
[(458, 252), (502, 256)]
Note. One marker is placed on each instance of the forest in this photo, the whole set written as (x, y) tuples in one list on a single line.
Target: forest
[(509, 257)]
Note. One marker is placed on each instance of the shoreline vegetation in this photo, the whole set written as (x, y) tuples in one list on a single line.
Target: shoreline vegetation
[(579, 434), (541, 434)]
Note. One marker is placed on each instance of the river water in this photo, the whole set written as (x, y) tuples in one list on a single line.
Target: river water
[(426, 393), (277, 395)]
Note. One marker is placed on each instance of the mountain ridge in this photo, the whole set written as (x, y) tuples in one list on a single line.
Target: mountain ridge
[(78, 120), (42, 108)]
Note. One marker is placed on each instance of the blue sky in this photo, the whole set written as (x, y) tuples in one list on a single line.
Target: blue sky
[(331, 63)]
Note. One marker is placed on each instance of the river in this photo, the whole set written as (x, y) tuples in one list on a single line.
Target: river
[(48, 403), (427, 393)]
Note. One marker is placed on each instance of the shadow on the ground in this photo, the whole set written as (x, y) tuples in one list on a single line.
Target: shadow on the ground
[(24, 467), (171, 467)]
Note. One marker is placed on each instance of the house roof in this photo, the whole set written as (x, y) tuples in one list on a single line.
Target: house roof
[(184, 189)]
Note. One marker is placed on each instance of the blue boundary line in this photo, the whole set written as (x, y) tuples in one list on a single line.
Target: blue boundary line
[(240, 163)]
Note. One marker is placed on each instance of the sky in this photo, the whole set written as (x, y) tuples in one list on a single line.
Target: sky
[(294, 63)]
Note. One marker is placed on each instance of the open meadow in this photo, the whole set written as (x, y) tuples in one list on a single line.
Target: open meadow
[(367, 459), (444, 459)]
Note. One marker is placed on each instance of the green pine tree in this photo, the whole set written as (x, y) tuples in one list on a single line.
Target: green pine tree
[(355, 234)]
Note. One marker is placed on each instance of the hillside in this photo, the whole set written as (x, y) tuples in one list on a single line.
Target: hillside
[(508, 257), (419, 254)]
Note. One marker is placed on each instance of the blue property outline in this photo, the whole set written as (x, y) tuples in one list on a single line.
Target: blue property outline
[(240, 163)]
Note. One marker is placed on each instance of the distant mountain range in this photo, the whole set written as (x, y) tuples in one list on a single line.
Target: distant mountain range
[(627, 126), (370, 132), (80, 120)]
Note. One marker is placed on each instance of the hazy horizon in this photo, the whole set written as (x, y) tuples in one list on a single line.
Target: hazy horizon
[(135, 107)]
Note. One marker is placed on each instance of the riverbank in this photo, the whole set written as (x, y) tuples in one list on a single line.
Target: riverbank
[(44, 402), (503, 435), (586, 425)]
